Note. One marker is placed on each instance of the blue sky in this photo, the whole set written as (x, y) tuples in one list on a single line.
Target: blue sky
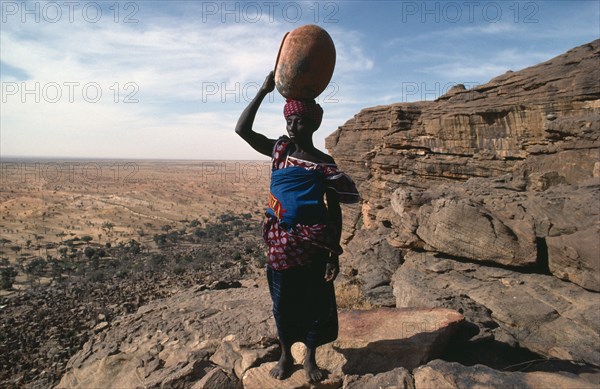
[(168, 79)]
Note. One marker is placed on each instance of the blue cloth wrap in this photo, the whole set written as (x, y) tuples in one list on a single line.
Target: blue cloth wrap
[(300, 193)]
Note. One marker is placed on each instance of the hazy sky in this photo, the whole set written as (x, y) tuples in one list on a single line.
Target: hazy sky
[(168, 79)]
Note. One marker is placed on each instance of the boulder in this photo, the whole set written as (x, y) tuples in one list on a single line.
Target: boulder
[(379, 340), (535, 311), (450, 375), (218, 379), (398, 378), (370, 342), (375, 280), (233, 357), (552, 231), (576, 257), (462, 228), (487, 199)]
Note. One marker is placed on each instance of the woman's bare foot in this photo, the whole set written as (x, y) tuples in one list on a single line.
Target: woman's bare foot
[(313, 373), (283, 368)]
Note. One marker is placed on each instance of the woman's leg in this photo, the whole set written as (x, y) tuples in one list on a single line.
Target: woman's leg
[(323, 324), (313, 373), (284, 286)]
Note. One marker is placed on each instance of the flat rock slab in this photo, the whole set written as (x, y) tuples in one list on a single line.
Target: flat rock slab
[(398, 378), (168, 342), (369, 342), (379, 340), (218, 379), (450, 375), (259, 378)]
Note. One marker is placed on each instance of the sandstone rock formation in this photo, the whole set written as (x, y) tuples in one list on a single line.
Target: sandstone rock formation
[(490, 197), (444, 375)]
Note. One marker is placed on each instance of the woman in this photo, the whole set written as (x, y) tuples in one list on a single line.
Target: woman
[(302, 232)]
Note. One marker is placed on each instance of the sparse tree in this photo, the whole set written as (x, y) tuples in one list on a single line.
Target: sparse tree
[(107, 227), (89, 252), (63, 251), (15, 248), (7, 277), (36, 267), (4, 241)]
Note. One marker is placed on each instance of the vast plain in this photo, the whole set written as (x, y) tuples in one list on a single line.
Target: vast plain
[(45, 202)]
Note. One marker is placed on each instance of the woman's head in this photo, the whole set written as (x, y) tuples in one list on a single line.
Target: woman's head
[(303, 118), (305, 109)]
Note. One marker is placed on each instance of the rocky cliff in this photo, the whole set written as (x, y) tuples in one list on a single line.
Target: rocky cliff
[(486, 201)]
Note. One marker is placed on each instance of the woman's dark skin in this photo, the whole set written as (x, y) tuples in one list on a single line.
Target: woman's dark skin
[(300, 131)]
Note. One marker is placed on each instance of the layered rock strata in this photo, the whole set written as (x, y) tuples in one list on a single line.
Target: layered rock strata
[(492, 197)]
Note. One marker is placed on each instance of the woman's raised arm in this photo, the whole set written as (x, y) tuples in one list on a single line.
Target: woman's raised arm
[(259, 142)]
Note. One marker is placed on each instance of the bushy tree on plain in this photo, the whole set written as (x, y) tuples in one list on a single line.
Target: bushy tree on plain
[(7, 277)]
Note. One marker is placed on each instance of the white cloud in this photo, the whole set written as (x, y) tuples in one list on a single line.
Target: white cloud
[(455, 32), (171, 63), (473, 67), (350, 52)]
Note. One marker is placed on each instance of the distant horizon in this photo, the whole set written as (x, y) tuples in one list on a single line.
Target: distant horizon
[(13, 157)]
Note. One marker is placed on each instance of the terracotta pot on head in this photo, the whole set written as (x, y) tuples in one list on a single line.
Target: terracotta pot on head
[(305, 63)]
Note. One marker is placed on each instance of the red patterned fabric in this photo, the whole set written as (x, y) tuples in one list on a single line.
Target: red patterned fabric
[(305, 108), (297, 245)]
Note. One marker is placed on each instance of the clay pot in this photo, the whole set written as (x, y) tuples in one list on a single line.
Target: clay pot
[(305, 63)]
